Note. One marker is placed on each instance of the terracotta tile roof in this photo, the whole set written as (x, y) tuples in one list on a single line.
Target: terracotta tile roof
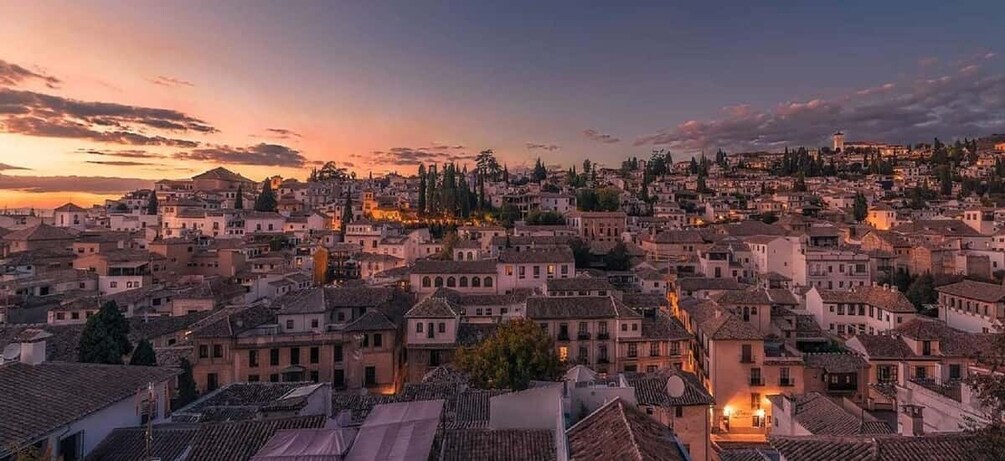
[(236, 401), (221, 173), (170, 441), (620, 431), (884, 346), (232, 321), (952, 342), (239, 441), (541, 256), (942, 447), (371, 321), (971, 289), (692, 284), (677, 237), (835, 362), (746, 297), (645, 300), (578, 284), (820, 415), (888, 299), (663, 326), (37, 399), (434, 307), (573, 307), (498, 445), (651, 389), (39, 232)]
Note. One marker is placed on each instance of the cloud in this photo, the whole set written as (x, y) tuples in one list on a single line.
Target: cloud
[(13, 74), (7, 167), (420, 155), (36, 114), (963, 104), (547, 147), (928, 61), (129, 153), (119, 163), (278, 133), (169, 81), (596, 136), (89, 184), (260, 154)]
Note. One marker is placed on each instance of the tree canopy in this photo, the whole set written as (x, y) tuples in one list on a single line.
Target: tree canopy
[(152, 203), (144, 354), (105, 338), (266, 200), (519, 352), (618, 259), (187, 390), (544, 218)]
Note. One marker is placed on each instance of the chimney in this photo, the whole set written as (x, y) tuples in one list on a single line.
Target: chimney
[(32, 345), (911, 420)]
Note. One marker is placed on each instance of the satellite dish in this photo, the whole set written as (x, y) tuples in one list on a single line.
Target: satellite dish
[(675, 386), (11, 352)]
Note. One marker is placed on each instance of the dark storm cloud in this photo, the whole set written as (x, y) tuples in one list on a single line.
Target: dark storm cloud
[(596, 136), (547, 147), (90, 184), (13, 74), (964, 103), (262, 154)]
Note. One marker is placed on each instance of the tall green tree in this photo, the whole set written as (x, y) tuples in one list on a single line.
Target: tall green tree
[(860, 209), (544, 218), (989, 391), (422, 189), (346, 213), (144, 354), (239, 200), (922, 291), (152, 203), (187, 390), (105, 338), (519, 352), (266, 200), (540, 172), (487, 165), (581, 253)]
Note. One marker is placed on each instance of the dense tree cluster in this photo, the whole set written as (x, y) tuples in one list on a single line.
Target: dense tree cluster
[(105, 338), (519, 352), (605, 199)]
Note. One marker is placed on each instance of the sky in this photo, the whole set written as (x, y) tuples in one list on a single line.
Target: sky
[(101, 97)]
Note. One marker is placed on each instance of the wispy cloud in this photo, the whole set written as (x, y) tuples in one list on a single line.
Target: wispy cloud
[(13, 74), (418, 155), (119, 163), (163, 80), (8, 167), (965, 103), (596, 136), (547, 147), (262, 154), (278, 133), (90, 184), (128, 153)]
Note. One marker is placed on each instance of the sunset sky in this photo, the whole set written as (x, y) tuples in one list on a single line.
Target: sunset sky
[(101, 97)]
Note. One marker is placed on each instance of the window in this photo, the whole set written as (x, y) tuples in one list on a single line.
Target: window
[(488, 282), (439, 282), (755, 377), (315, 355), (418, 327), (476, 282), (370, 376), (289, 324), (654, 349), (203, 351), (442, 327), (451, 282), (426, 282), (315, 377), (563, 353), (463, 282), (217, 350), (633, 350), (746, 354), (339, 357), (273, 357), (537, 272), (624, 327), (521, 272), (294, 356), (635, 327), (955, 372), (253, 358), (314, 323), (926, 348), (755, 401), (253, 378), (678, 412), (378, 340), (274, 378)]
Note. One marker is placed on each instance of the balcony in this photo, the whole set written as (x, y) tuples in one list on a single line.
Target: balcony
[(603, 336), (786, 382), (583, 335), (747, 358), (756, 381), (563, 336)]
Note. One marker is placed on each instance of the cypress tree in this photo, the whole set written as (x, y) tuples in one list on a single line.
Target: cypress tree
[(152, 203), (105, 338), (144, 355), (187, 390), (422, 189), (266, 200), (239, 201), (346, 213)]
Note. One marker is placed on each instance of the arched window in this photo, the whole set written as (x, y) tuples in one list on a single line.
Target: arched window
[(426, 282), (463, 281), (451, 282), (439, 281), (488, 282), (471, 256), (476, 282)]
